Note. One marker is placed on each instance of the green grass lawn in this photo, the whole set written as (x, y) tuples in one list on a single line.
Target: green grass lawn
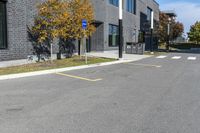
[(74, 61)]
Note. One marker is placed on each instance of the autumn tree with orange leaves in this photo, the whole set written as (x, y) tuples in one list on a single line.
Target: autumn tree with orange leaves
[(62, 20), (176, 28), (79, 10)]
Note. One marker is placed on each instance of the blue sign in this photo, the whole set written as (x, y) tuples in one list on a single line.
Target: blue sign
[(84, 23)]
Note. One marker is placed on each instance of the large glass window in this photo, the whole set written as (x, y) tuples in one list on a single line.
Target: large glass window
[(149, 10), (131, 6), (114, 2), (3, 33), (113, 35)]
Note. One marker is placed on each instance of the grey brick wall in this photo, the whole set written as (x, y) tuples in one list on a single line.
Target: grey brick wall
[(20, 14), (16, 22)]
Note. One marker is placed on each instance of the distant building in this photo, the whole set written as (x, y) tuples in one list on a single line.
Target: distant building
[(15, 15), (170, 13)]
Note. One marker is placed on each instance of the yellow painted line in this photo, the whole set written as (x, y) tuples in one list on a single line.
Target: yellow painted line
[(145, 65), (77, 77)]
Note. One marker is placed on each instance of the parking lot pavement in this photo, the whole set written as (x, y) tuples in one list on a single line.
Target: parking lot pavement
[(148, 96)]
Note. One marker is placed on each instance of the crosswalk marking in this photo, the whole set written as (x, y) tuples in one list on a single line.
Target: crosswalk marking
[(176, 57), (161, 57), (192, 58)]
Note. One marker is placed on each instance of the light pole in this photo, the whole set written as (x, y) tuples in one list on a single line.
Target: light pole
[(168, 33), (152, 26), (120, 29)]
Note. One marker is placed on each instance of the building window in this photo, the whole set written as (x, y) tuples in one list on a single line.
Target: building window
[(141, 37), (3, 32), (114, 2), (113, 35), (131, 6), (149, 10)]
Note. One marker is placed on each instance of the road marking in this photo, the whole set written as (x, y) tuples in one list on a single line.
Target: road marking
[(192, 58), (176, 57), (161, 57), (145, 65), (77, 77)]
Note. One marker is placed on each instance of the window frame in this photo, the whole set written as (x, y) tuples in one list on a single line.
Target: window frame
[(131, 8), (5, 37), (112, 2), (117, 35), (149, 17)]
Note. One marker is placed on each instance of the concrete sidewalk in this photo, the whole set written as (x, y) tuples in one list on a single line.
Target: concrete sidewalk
[(114, 54), (106, 54), (14, 63), (21, 61)]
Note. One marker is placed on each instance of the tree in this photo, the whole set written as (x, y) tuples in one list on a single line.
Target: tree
[(38, 48), (62, 19), (47, 23), (194, 33), (51, 14), (79, 10), (163, 18), (176, 28)]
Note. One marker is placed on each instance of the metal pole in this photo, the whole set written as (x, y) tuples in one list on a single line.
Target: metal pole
[(152, 26), (79, 47), (120, 29), (51, 52), (152, 41), (86, 60), (168, 35)]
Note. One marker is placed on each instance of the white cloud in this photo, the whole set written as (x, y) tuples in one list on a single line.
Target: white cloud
[(188, 13)]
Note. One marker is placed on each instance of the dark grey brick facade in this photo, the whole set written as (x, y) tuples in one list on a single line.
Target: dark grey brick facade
[(20, 13), (109, 14), (16, 22)]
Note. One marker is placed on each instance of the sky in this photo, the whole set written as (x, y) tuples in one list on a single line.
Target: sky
[(188, 11)]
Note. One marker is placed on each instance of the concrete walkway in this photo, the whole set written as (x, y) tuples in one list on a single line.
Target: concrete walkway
[(20, 62), (14, 63), (114, 54), (106, 54)]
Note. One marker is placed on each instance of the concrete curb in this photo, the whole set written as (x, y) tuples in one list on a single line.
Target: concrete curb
[(44, 72)]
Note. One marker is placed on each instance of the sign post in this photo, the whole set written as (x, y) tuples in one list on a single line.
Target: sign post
[(84, 27)]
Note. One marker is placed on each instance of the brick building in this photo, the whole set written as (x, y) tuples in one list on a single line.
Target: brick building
[(15, 15)]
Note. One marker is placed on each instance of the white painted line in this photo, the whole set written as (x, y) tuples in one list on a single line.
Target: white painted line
[(161, 57), (176, 57), (192, 58)]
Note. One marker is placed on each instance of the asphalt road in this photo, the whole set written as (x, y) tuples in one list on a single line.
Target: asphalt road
[(154, 95)]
